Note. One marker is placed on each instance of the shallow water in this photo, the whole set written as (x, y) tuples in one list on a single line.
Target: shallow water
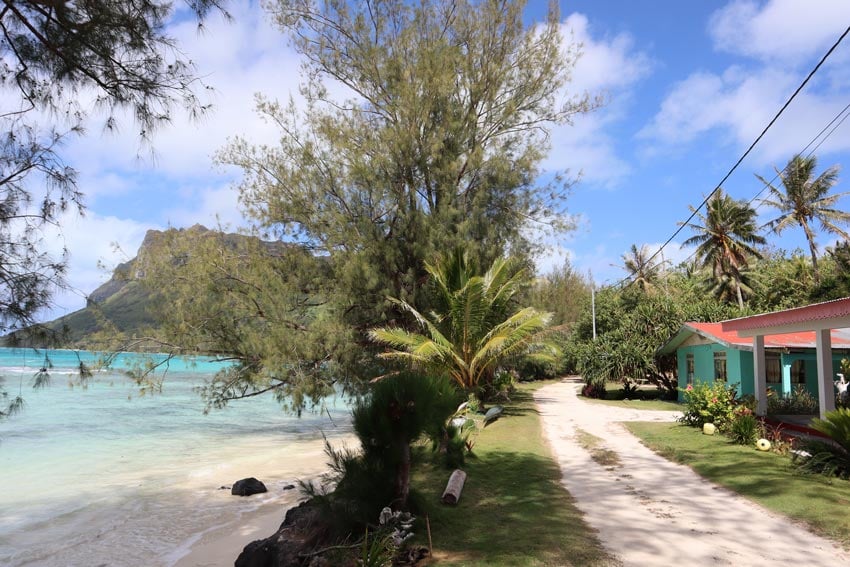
[(101, 476)]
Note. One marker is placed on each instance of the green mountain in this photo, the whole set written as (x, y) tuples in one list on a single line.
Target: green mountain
[(121, 304)]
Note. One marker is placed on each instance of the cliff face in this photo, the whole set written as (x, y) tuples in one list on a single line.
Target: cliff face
[(122, 301)]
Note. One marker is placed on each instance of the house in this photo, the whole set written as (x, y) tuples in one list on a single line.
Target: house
[(705, 352)]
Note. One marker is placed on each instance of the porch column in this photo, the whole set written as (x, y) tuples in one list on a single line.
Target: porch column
[(826, 389), (760, 372)]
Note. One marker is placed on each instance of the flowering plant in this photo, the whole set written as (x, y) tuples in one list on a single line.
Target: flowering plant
[(708, 403)]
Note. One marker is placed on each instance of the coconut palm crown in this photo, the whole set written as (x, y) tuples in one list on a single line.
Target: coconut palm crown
[(805, 201), (643, 272), (725, 241), (474, 325)]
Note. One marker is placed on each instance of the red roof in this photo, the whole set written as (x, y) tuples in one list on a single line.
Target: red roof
[(715, 332), (803, 339), (836, 309)]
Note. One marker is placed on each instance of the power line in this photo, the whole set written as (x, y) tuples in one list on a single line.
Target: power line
[(749, 149), (835, 123), (812, 151)]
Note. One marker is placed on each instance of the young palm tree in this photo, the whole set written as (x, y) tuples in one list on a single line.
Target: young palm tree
[(642, 273), (473, 327), (806, 199), (725, 242)]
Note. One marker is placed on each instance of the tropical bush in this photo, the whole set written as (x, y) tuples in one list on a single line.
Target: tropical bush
[(832, 457), (594, 388), (399, 410), (630, 326), (780, 442), (474, 326), (504, 384), (744, 427), (708, 403), (798, 402)]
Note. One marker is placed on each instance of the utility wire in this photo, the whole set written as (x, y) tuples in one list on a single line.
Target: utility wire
[(784, 170), (746, 153), (835, 123), (812, 151)]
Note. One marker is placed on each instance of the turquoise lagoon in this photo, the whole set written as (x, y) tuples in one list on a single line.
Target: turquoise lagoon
[(104, 476)]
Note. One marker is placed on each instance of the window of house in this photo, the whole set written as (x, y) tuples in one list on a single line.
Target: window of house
[(689, 364), (720, 366), (773, 369), (798, 372)]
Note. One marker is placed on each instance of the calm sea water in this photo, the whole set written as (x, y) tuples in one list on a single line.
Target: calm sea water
[(103, 476)]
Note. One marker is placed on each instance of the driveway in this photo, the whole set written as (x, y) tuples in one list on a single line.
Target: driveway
[(649, 511)]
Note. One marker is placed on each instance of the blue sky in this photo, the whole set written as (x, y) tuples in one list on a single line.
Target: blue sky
[(689, 85)]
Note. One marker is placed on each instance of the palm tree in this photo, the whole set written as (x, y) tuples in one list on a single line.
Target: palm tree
[(806, 199), (725, 242), (642, 272), (473, 327)]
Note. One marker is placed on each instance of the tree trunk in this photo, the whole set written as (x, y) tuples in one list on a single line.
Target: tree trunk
[(454, 487), (813, 250), (402, 478)]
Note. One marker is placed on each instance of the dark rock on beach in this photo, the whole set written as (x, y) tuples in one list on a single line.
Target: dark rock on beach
[(289, 545), (247, 487)]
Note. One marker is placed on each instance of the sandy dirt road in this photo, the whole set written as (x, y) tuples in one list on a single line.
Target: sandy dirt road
[(651, 512)]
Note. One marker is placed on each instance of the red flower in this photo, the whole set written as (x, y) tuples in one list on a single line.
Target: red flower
[(689, 388)]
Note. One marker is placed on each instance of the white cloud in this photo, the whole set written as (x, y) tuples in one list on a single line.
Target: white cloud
[(606, 63), (609, 67), (780, 30), (211, 207), (778, 43), (237, 59), (96, 245), (552, 259), (740, 106)]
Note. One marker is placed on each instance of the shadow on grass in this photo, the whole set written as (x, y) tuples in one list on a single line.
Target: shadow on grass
[(521, 403), (513, 511)]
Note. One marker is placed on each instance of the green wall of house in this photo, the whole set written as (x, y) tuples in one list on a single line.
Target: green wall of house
[(740, 369)]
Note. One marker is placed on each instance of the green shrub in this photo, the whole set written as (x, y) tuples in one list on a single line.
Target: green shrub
[(744, 426), (798, 402), (831, 458), (708, 403), (503, 385), (594, 389), (399, 410)]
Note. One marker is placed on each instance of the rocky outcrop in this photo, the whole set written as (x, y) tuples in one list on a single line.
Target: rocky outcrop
[(247, 487), (299, 533)]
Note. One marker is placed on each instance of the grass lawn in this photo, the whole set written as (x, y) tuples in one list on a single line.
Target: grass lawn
[(513, 509), (766, 478)]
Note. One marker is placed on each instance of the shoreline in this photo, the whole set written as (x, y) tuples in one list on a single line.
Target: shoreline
[(220, 545)]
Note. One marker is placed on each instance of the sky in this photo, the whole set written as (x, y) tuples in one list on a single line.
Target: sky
[(688, 87)]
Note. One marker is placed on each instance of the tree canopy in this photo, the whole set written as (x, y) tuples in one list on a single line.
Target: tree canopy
[(56, 58), (435, 141), (806, 199), (726, 241), (474, 326)]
